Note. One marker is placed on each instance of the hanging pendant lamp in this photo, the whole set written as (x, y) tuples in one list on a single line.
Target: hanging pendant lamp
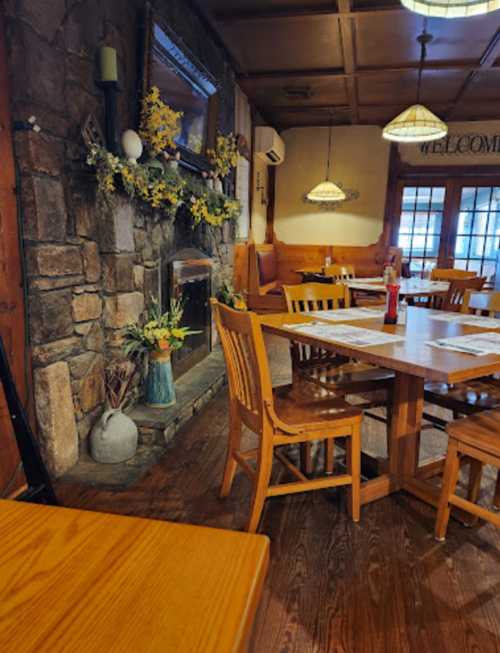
[(451, 8), (417, 124), (327, 191)]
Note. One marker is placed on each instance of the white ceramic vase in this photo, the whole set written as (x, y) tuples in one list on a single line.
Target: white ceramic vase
[(113, 438)]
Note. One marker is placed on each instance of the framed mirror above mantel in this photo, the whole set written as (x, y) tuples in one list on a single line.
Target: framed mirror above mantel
[(185, 85)]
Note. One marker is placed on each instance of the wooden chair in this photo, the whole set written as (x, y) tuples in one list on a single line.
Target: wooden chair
[(451, 274), (454, 300), (277, 419), (40, 488), (477, 438), (334, 373), (339, 272), (481, 303)]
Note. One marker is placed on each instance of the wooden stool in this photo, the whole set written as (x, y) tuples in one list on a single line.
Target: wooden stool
[(478, 438)]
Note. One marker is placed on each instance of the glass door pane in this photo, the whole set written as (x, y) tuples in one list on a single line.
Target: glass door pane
[(478, 230), (420, 226)]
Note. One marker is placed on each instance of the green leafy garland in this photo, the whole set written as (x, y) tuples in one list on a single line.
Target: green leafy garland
[(158, 182)]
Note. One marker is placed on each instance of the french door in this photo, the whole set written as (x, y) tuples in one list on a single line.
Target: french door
[(449, 223)]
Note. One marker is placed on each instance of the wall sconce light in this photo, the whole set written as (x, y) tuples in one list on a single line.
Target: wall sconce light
[(260, 188)]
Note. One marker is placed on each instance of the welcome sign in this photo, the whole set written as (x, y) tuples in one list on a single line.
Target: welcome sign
[(467, 143), (480, 144)]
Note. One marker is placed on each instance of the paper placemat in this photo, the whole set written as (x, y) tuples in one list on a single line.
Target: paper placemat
[(343, 314), (346, 334), (469, 320), (478, 344)]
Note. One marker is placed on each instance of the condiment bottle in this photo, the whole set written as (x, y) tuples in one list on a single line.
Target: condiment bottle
[(391, 303)]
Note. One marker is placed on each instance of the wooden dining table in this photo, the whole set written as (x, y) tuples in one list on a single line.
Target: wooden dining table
[(76, 581), (414, 362)]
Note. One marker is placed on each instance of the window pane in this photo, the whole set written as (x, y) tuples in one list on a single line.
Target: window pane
[(406, 222), (474, 266), (460, 264), (437, 202), (462, 246), (489, 269), (468, 199), (491, 247), (480, 223), (429, 264), (435, 222), (404, 241), (432, 246), (421, 222), (477, 247), (409, 196), (483, 199), (423, 198), (494, 224), (464, 223)]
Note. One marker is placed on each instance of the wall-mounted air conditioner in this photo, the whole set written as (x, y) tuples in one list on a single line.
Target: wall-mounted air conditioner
[(269, 146)]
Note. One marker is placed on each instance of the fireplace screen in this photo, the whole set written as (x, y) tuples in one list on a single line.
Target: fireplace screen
[(189, 278)]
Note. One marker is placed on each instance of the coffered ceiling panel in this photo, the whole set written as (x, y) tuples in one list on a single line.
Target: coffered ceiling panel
[(310, 117), (386, 39), (296, 91), (485, 86), (285, 43), (384, 88)]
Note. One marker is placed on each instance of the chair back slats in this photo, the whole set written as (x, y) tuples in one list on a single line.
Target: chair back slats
[(246, 361), (315, 297), (339, 272), (450, 274), (455, 296), (481, 303)]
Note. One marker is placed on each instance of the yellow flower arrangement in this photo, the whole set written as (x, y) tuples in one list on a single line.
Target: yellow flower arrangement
[(225, 156), (162, 331), (160, 125)]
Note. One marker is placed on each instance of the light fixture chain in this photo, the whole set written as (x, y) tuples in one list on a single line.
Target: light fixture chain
[(423, 39), (329, 147)]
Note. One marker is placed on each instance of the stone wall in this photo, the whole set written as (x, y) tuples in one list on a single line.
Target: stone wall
[(90, 268)]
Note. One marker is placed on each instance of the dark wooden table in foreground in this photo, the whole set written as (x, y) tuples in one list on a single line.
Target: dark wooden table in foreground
[(413, 362), (83, 581)]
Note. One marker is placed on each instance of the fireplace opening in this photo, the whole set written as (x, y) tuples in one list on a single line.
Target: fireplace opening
[(188, 276)]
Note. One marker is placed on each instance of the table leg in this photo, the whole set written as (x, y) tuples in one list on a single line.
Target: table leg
[(407, 408)]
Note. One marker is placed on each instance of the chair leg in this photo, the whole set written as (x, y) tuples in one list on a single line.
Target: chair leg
[(329, 455), (306, 457), (450, 477), (475, 476), (261, 484), (496, 500), (353, 464), (234, 443)]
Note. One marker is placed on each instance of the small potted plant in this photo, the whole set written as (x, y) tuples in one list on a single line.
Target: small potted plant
[(159, 337), (229, 296)]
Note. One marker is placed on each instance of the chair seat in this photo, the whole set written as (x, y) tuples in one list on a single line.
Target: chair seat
[(481, 431), (468, 398), (303, 411), (352, 377)]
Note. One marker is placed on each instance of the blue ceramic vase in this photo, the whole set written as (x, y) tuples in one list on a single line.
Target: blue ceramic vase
[(160, 390)]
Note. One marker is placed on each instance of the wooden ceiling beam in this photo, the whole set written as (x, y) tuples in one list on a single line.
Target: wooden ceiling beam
[(349, 56), (486, 62), (256, 75)]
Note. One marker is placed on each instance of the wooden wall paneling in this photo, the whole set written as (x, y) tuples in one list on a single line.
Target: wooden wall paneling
[(12, 327), (271, 200)]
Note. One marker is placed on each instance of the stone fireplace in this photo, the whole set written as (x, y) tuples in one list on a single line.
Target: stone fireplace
[(188, 277)]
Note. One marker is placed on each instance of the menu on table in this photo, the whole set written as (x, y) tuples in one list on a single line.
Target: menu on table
[(345, 334), (469, 320), (345, 314), (477, 344)]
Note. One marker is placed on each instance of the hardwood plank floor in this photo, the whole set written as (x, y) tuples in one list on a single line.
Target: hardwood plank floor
[(383, 585)]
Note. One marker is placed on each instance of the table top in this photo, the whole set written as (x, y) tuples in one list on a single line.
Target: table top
[(411, 356), (74, 580), (413, 287)]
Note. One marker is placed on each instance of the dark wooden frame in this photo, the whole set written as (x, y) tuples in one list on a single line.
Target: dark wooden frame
[(198, 74), (452, 177)]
